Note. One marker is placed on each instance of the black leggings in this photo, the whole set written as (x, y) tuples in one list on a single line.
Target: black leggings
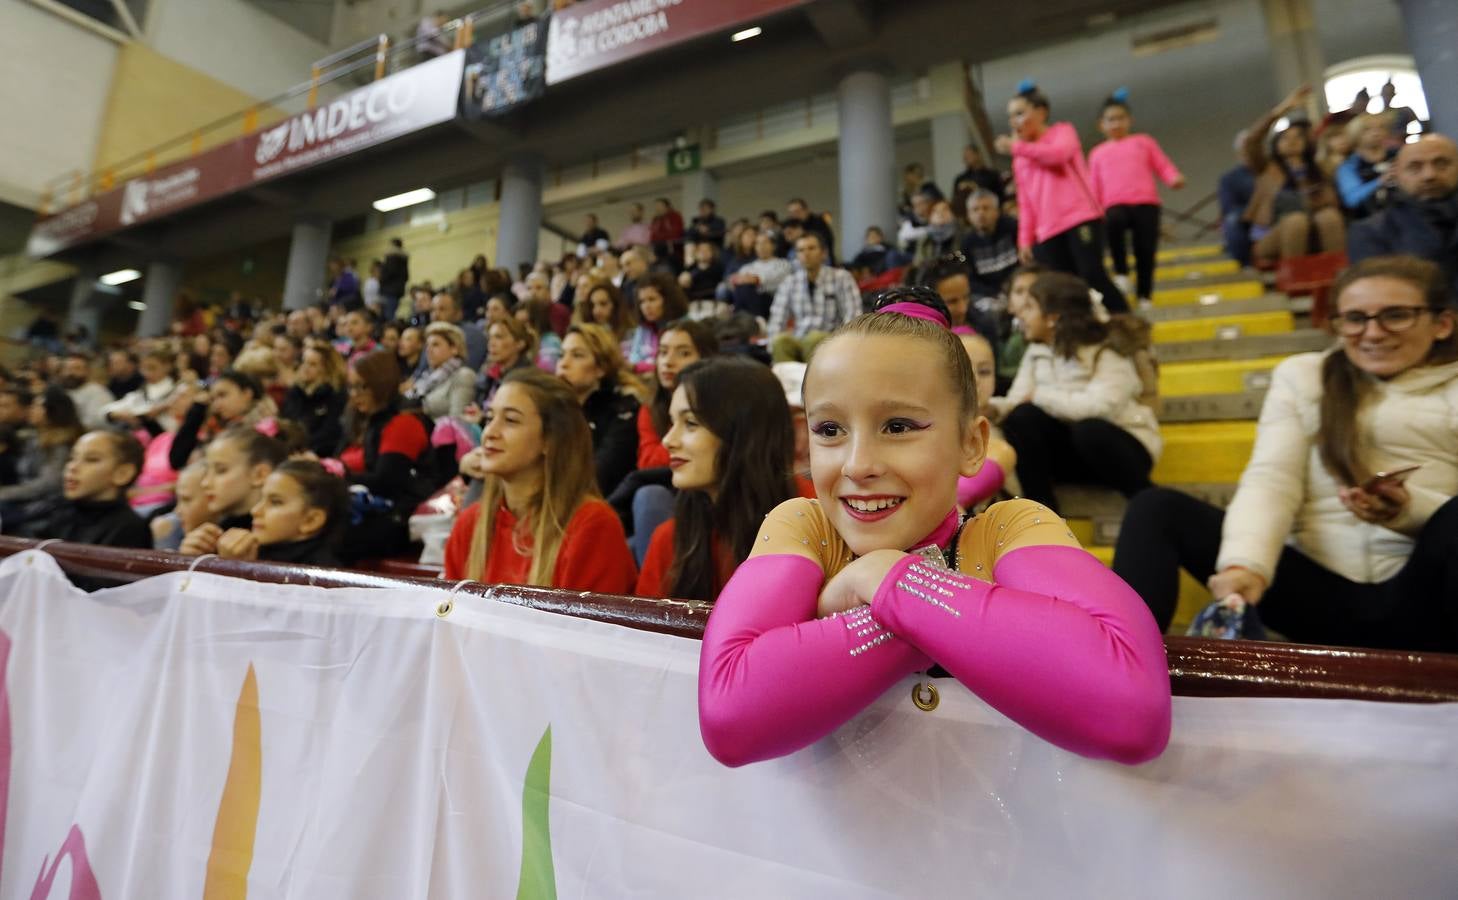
[(1080, 251), (1143, 220), (1416, 609), (1090, 451)]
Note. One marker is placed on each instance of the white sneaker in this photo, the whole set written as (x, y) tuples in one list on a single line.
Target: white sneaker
[(1125, 285)]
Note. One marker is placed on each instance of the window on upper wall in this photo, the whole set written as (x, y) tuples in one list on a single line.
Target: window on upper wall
[(106, 12), (1344, 80)]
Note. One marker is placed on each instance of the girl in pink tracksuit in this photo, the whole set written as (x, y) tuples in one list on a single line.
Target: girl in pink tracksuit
[(1060, 221), (1122, 170)]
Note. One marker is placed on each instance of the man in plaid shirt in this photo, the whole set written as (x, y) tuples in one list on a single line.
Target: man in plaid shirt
[(819, 298)]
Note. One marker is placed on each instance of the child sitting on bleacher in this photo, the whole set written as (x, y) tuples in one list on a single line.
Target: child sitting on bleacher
[(189, 511), (103, 464), (997, 474), (298, 517), (238, 462), (1332, 551), (1077, 410)]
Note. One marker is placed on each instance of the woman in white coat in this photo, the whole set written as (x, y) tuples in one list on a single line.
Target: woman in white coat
[(1078, 409), (1331, 550)]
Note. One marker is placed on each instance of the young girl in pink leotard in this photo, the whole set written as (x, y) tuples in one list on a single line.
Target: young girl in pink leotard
[(845, 595)]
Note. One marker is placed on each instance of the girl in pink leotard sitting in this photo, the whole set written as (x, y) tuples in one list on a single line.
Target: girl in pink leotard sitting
[(845, 595)]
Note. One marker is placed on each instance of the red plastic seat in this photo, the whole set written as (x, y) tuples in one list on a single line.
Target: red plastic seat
[(1312, 275)]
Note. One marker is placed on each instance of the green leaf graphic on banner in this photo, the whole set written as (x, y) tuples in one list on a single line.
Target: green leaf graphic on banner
[(538, 877)]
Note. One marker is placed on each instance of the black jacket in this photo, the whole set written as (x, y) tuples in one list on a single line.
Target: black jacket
[(320, 413), (403, 481), (394, 273), (108, 523), (613, 417), (313, 552), (1427, 229)]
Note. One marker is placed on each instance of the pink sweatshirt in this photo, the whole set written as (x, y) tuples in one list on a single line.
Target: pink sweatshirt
[(1123, 171), (1053, 189)]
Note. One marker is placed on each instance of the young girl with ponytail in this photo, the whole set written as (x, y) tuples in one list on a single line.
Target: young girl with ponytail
[(1122, 170), (1060, 221), (1344, 528), (878, 578)]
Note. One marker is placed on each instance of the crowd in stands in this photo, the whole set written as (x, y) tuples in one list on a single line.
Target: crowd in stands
[(628, 418)]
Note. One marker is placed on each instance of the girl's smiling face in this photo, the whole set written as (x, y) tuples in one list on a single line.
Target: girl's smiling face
[(887, 440)]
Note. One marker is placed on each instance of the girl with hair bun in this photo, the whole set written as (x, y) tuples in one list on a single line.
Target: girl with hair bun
[(878, 578), (1123, 169), (1060, 221)]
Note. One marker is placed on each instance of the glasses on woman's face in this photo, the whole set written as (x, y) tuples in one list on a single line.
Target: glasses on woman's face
[(1392, 319)]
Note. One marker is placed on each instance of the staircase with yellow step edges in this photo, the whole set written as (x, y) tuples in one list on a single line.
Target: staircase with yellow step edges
[(1218, 331)]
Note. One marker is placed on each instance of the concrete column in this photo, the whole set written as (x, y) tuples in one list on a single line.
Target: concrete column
[(868, 178), (308, 261), (949, 136), (85, 306), (1432, 35), (1296, 50), (521, 212), (700, 185), (159, 293)]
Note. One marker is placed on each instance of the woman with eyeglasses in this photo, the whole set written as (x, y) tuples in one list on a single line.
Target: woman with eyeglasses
[(1344, 529)]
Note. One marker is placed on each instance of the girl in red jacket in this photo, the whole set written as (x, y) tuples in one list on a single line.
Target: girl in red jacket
[(540, 520)]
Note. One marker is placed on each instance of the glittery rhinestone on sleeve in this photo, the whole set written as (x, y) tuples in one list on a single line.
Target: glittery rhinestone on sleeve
[(859, 622), (932, 584)]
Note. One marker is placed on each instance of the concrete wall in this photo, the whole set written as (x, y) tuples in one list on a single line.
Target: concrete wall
[(234, 42), (57, 75), (154, 98)]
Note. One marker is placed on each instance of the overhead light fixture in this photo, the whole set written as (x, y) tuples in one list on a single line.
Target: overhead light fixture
[(746, 34), (138, 305), (400, 201), (120, 276)]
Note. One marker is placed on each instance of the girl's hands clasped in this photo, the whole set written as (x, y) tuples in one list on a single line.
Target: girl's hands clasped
[(857, 583)]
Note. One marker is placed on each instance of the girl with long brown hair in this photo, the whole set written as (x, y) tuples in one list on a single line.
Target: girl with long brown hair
[(1344, 528), (731, 449), (540, 520)]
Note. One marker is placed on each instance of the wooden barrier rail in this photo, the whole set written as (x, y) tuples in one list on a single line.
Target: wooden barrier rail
[(1197, 667)]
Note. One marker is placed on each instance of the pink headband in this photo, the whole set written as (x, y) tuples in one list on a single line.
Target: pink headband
[(916, 311), (267, 426)]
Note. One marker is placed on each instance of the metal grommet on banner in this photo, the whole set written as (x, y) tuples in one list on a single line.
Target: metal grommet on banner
[(445, 606), (30, 560), (924, 695), (187, 582)]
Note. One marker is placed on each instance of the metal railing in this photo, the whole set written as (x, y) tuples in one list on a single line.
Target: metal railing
[(370, 59), (1197, 667)]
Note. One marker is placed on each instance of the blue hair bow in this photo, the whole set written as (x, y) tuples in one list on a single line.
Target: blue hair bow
[(1120, 94), (1027, 84)]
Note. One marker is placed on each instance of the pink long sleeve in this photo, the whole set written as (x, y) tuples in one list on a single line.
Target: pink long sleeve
[(773, 678), (1161, 164), (1056, 146), (987, 481), (1059, 644)]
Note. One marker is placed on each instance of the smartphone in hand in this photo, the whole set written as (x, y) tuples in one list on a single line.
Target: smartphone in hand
[(1397, 476)]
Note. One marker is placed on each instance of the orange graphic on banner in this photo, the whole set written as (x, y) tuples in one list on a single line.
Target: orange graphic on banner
[(237, 823)]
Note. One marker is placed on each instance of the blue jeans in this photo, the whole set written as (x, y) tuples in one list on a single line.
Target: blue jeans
[(652, 506)]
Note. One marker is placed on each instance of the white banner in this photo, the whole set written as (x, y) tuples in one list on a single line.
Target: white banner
[(196, 736)]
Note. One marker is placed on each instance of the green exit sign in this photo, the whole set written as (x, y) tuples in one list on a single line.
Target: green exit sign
[(682, 160)]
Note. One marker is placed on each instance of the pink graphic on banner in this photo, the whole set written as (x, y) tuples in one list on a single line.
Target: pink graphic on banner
[(83, 881)]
